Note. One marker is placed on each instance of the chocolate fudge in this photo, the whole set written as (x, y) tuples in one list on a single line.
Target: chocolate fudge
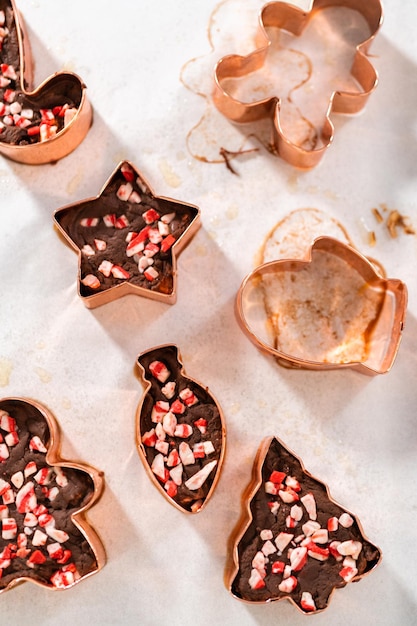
[(27, 118), (298, 543), (39, 539), (180, 430)]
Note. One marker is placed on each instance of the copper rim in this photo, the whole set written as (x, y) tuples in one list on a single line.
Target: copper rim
[(232, 561), (79, 518), (69, 137), (293, 19), (117, 291), (141, 449), (367, 269)]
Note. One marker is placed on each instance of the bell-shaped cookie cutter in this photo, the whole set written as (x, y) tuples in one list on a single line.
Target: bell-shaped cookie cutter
[(285, 16), (383, 335), (53, 458), (65, 84)]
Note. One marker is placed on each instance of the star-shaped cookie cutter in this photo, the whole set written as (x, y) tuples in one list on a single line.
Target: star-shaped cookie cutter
[(284, 16), (51, 98), (144, 231), (346, 315), (26, 490)]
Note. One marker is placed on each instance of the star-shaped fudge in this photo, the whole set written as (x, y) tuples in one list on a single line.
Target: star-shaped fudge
[(44, 535), (127, 239)]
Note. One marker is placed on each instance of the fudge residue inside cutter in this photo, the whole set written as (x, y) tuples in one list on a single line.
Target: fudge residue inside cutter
[(331, 310)]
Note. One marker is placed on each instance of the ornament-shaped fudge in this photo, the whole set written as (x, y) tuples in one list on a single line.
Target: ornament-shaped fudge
[(43, 125), (293, 540), (45, 537), (180, 431)]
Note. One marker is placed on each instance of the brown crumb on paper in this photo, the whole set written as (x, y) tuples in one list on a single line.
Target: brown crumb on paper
[(393, 220)]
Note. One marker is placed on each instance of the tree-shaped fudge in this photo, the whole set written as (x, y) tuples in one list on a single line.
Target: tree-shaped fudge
[(180, 431), (44, 537), (293, 540)]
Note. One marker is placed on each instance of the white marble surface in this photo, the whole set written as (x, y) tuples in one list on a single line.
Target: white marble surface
[(355, 432)]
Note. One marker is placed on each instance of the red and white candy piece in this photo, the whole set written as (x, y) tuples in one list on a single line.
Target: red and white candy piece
[(121, 222), (307, 602), (35, 444), (9, 528), (188, 397), (151, 273), (169, 390), (7, 422), (310, 504), (256, 581), (346, 520), (124, 191), (105, 268), (159, 371), (186, 454), (159, 410), (150, 216), (91, 281), (200, 477), (288, 585)]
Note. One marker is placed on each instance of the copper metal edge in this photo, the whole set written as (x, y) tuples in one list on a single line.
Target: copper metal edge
[(117, 291), (232, 561), (368, 270), (293, 19), (141, 449), (79, 518), (67, 139)]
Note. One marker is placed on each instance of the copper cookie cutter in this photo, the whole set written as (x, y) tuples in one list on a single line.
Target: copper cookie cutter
[(66, 216), (66, 85), (247, 517), (53, 458), (287, 17), (272, 315), (170, 353)]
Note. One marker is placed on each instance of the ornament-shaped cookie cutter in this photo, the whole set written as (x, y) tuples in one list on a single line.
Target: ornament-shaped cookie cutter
[(61, 84), (246, 519), (382, 335), (153, 393), (287, 17), (53, 458)]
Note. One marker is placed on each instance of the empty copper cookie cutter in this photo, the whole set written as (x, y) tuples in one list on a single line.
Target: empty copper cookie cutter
[(287, 17), (377, 306), (66, 85), (247, 527), (32, 408)]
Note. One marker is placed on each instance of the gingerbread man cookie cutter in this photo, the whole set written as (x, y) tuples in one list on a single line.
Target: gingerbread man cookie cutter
[(284, 16)]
